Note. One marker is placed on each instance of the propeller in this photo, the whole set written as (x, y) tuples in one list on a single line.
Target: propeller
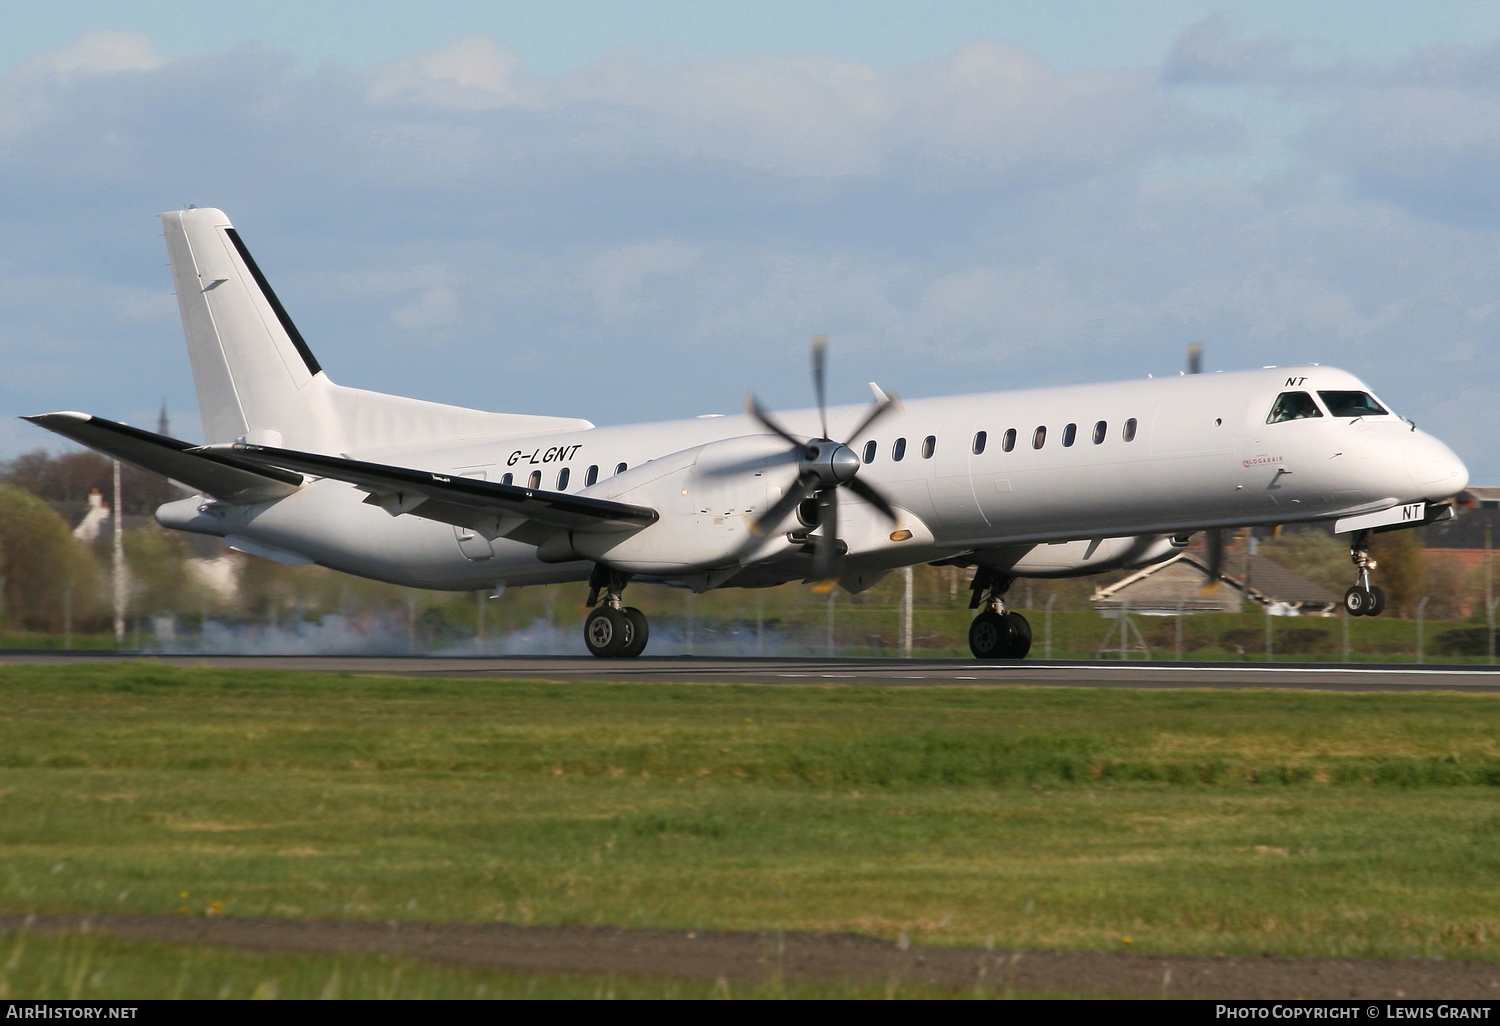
[(1213, 541), (823, 467), (1213, 553)]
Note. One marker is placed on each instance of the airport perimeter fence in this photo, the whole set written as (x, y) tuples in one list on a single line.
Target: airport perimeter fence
[(826, 628)]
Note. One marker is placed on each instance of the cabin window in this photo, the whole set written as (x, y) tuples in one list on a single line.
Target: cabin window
[(929, 446), (1293, 406), (1039, 438), (536, 479), (898, 450), (1101, 429), (507, 479), (1128, 433), (562, 479), (591, 475), (1008, 440), (620, 468), (979, 440), (1070, 434), (870, 448), (1352, 404)]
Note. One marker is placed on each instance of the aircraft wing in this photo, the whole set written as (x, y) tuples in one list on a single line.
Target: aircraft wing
[(492, 508), (219, 475)]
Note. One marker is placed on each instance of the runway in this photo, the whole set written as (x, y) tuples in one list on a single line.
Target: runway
[(886, 672)]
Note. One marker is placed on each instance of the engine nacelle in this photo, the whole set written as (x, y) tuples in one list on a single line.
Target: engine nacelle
[(707, 497), (1080, 558)]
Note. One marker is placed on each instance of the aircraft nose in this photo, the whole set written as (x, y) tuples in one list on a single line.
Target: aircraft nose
[(1434, 469)]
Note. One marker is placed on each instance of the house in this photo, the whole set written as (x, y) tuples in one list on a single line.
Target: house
[(1479, 497), (1185, 585)]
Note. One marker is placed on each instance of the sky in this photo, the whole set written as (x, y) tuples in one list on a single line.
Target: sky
[(639, 211)]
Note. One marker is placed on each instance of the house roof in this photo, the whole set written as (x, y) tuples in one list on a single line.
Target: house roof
[(1182, 584), (1186, 580), (1278, 584)]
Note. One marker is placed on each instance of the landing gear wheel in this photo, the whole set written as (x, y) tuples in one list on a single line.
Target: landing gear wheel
[(1377, 601), (992, 636), (606, 632), (1358, 602), (1022, 629), (640, 633)]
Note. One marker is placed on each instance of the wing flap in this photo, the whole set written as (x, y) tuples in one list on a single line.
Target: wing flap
[(219, 475), (468, 502)]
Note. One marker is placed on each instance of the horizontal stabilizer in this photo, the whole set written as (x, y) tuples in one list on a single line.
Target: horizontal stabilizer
[(219, 475), (487, 506)]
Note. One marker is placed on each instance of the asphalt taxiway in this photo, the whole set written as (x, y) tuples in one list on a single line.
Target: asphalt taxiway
[(889, 672)]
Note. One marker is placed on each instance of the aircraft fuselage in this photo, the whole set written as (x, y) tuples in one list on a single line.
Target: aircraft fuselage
[(1072, 464)]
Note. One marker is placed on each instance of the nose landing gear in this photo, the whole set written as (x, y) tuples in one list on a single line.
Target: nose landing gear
[(1364, 599), (996, 633), (613, 630)]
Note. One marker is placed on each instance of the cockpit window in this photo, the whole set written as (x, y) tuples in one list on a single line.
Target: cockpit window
[(1293, 406), (1352, 404)]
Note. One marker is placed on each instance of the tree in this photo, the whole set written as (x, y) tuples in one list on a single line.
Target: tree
[(1402, 569), (40, 560), (159, 579), (70, 476)]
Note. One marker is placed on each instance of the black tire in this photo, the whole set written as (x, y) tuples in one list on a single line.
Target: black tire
[(1022, 627), (1358, 602), (1377, 601), (992, 636), (640, 633), (606, 632)]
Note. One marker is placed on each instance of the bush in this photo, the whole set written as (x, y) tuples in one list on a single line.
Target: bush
[(1243, 639), (1464, 641), (1303, 641)]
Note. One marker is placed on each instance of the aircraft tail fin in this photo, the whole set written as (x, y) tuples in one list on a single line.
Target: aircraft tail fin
[(257, 379), (255, 375)]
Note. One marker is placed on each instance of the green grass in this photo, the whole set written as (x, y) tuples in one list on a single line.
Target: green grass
[(93, 967), (1187, 821)]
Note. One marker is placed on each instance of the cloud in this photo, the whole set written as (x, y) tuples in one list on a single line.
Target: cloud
[(1206, 54), (434, 307), (642, 239), (1422, 132), (102, 52), (473, 73)]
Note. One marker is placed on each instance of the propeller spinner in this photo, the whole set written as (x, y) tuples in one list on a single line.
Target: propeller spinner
[(823, 467)]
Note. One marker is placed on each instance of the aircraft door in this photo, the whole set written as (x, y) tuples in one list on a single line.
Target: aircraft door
[(951, 487), (471, 543)]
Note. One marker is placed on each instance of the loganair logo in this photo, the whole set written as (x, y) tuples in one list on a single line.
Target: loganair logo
[(1261, 461)]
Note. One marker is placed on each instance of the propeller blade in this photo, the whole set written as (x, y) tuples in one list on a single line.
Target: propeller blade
[(768, 521), (819, 358), (753, 407), (805, 486), (891, 402), (1213, 547), (1195, 358), (826, 542), (749, 466), (872, 495)]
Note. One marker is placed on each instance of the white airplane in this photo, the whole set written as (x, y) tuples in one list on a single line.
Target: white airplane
[(1051, 482)]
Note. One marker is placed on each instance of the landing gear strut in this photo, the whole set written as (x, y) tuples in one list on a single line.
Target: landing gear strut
[(996, 633), (1364, 599), (613, 630)]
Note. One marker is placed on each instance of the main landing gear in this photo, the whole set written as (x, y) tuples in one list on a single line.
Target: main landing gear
[(996, 633), (613, 630), (1364, 599)]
